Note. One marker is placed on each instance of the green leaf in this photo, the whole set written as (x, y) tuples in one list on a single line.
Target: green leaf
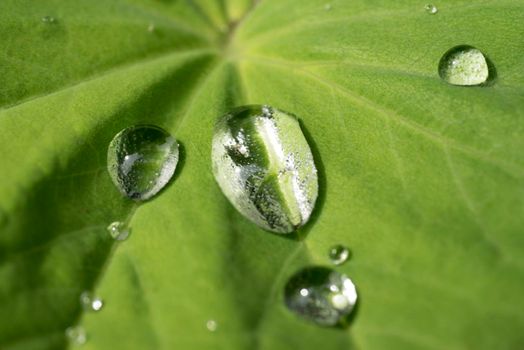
[(424, 181)]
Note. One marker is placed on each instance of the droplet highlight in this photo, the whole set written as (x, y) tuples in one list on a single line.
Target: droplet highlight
[(338, 254), (118, 231), (320, 295), (265, 167), (141, 160), (464, 65), (431, 9), (76, 335), (211, 325), (90, 302)]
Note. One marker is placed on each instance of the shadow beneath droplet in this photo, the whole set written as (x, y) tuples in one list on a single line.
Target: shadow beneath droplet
[(303, 232), (492, 73)]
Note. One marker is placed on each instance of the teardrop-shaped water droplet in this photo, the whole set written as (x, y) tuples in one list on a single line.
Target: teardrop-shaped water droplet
[(338, 254), (141, 160), (464, 65), (76, 335), (118, 231), (90, 302), (320, 295), (431, 9), (263, 164), (48, 19), (211, 325)]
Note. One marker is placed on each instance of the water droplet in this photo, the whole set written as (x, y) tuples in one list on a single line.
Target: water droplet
[(327, 7), (151, 28), (464, 65), (263, 164), (212, 325), (76, 335), (48, 19), (320, 295), (89, 302), (141, 160), (338, 254), (118, 231), (431, 9)]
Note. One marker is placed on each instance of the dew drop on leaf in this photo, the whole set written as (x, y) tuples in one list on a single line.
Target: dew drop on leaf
[(141, 160), (90, 302), (464, 65), (76, 335), (431, 9), (118, 231), (338, 254), (328, 7), (264, 166), (320, 295), (151, 27), (211, 325), (48, 19)]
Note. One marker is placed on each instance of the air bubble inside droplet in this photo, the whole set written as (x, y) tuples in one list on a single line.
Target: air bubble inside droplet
[(264, 166), (338, 254), (320, 295), (464, 65), (90, 302), (118, 231), (431, 9), (76, 335), (141, 160)]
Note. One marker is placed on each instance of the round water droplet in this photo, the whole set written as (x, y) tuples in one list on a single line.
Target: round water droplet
[(141, 160), (464, 65), (212, 325), (338, 254), (48, 19), (327, 7), (263, 164), (431, 9), (76, 335), (151, 28), (320, 295), (118, 231), (89, 302)]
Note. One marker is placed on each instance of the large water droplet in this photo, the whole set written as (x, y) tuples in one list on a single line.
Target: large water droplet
[(464, 65), (90, 302), (338, 254), (431, 9), (141, 160), (118, 231), (320, 295), (263, 164), (76, 335)]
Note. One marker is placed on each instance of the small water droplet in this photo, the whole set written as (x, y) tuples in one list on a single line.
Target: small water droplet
[(76, 335), (118, 231), (89, 302), (48, 19), (320, 295), (151, 28), (327, 7), (212, 325), (338, 254), (431, 9), (464, 65), (141, 160), (264, 165)]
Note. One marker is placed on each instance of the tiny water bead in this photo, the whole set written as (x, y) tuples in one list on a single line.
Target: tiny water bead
[(48, 19), (431, 9), (211, 325), (118, 231), (141, 160), (338, 254), (464, 65), (76, 335), (320, 295), (89, 302), (264, 166)]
